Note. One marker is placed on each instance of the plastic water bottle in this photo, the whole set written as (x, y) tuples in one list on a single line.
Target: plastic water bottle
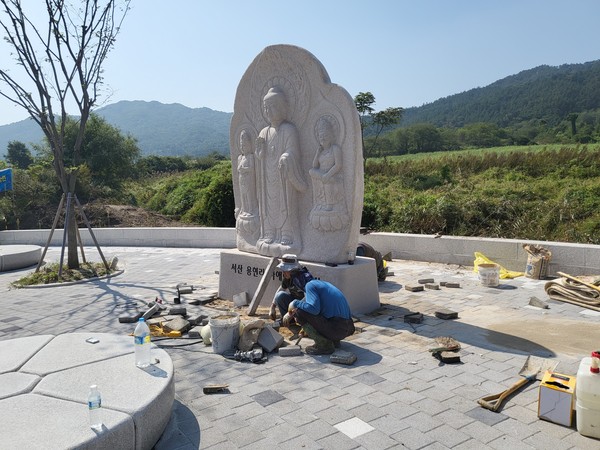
[(141, 337), (95, 407)]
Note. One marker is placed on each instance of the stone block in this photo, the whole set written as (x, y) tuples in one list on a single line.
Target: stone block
[(269, 339), (196, 319), (412, 288), (446, 314), (426, 280), (413, 317), (195, 332), (290, 350), (178, 310), (343, 357), (534, 301), (177, 324), (240, 299), (433, 286)]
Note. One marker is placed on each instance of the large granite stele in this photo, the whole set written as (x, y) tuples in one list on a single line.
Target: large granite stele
[(297, 169)]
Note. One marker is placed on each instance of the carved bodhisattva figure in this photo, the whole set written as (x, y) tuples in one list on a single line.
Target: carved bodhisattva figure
[(329, 212), (280, 177), (247, 213)]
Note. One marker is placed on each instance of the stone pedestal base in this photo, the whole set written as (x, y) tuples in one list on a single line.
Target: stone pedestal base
[(241, 272)]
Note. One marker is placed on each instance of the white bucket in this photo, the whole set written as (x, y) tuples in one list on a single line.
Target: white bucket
[(225, 332), (489, 274), (587, 392)]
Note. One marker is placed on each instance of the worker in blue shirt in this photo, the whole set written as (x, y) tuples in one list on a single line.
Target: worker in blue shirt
[(324, 315)]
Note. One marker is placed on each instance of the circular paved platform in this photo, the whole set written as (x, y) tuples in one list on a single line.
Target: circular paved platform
[(13, 257), (44, 382)]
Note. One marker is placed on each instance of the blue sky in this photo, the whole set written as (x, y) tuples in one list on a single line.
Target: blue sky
[(406, 53)]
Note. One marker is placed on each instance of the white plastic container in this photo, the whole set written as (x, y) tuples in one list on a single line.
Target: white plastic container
[(224, 332), (95, 408), (141, 339), (489, 274), (587, 392)]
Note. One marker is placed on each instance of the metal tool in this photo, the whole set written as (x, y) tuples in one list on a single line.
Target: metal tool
[(532, 370)]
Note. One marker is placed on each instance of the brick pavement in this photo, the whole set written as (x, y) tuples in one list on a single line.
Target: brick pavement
[(395, 395)]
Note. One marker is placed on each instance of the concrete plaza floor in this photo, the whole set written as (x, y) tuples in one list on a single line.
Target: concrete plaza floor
[(395, 396)]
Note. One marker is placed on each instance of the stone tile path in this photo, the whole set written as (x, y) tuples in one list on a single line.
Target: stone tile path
[(395, 396)]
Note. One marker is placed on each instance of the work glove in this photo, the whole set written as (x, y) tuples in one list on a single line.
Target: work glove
[(288, 319)]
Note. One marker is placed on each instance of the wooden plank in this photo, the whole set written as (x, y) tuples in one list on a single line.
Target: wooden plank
[(262, 286)]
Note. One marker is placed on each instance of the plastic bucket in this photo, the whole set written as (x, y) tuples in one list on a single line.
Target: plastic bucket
[(489, 274), (225, 332)]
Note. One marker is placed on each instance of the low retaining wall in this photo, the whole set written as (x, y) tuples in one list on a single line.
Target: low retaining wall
[(186, 237), (575, 259)]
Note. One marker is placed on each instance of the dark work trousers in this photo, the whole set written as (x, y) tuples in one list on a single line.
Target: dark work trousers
[(334, 329)]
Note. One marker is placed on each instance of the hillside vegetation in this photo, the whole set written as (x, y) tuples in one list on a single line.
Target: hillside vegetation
[(535, 193), (538, 193)]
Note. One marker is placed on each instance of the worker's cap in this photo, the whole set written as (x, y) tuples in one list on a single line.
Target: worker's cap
[(288, 263)]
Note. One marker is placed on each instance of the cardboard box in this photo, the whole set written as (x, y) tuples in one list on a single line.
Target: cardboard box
[(557, 398)]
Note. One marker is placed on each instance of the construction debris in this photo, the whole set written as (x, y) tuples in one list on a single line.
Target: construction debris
[(195, 333), (446, 314), (413, 317), (241, 299), (290, 350), (154, 309), (269, 339), (177, 324), (445, 344), (448, 357), (534, 301), (215, 388), (343, 357), (447, 350), (130, 319), (412, 288)]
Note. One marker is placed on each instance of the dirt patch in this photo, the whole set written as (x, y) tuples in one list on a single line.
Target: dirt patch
[(560, 336), (127, 216)]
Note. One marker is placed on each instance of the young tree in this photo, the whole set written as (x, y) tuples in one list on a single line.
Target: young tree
[(375, 121), (61, 61)]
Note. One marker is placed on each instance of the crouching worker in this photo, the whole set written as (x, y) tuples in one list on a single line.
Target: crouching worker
[(324, 315), (294, 279)]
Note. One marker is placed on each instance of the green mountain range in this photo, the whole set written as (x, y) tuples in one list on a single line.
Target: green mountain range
[(160, 129), (543, 93)]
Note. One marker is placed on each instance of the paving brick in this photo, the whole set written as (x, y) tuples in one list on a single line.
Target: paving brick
[(486, 416), (317, 429), (412, 438), (481, 432), (266, 398), (508, 442)]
